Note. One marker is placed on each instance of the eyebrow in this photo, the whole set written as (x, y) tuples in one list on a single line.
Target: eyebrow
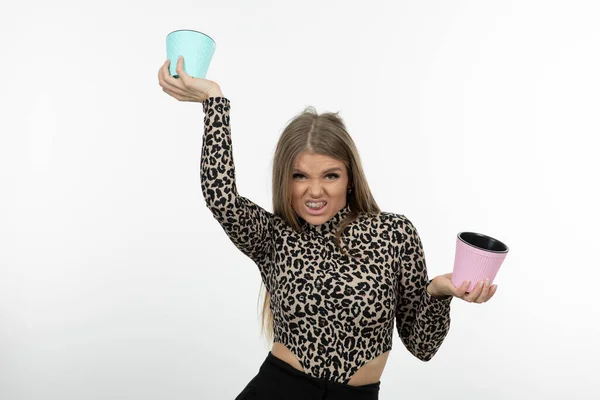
[(324, 172)]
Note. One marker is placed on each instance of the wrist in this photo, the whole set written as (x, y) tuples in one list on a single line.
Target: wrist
[(433, 291), (214, 92)]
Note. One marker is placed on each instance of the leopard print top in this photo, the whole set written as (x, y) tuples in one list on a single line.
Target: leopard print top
[(333, 311)]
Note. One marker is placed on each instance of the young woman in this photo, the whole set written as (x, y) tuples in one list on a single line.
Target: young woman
[(338, 271)]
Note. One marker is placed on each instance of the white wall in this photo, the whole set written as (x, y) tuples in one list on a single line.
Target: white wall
[(116, 282)]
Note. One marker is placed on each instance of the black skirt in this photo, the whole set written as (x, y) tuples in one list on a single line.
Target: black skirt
[(277, 380)]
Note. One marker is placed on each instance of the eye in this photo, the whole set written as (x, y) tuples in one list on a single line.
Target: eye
[(335, 176)]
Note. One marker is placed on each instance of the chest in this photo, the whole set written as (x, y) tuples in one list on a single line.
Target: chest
[(312, 278)]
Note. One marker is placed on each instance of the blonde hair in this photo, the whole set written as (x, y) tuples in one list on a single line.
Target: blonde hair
[(323, 134)]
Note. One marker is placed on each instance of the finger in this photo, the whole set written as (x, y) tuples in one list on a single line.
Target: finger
[(160, 76), (181, 72), (474, 293), (168, 88), (170, 83), (485, 293), (163, 73), (462, 290), (493, 289), (176, 95)]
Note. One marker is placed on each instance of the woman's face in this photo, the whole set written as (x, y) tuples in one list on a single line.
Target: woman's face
[(318, 178)]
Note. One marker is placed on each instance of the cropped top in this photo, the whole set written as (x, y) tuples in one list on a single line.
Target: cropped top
[(333, 311)]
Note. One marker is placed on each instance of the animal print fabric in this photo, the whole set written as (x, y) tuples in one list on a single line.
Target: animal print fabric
[(335, 311)]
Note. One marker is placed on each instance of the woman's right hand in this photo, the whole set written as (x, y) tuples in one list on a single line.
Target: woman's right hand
[(186, 88)]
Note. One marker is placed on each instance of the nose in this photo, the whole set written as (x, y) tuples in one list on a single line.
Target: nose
[(315, 189)]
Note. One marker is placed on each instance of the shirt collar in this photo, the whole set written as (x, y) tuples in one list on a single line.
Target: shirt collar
[(328, 226)]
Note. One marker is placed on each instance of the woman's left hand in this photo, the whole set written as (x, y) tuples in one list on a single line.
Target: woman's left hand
[(442, 286)]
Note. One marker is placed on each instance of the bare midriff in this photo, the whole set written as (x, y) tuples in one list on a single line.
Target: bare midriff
[(367, 374)]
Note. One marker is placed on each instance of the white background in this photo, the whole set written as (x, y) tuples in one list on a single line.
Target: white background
[(117, 283)]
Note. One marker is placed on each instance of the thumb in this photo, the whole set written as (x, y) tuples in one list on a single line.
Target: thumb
[(180, 71), (462, 290)]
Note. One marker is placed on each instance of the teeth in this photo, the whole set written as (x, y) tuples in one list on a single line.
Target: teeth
[(316, 205)]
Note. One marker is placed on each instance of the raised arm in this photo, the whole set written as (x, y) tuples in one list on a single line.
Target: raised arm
[(422, 321), (247, 225)]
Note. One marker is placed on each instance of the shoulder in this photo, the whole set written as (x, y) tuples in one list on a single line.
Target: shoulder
[(399, 221), (401, 227), (378, 220)]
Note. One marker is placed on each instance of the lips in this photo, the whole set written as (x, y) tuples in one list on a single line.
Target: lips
[(316, 211)]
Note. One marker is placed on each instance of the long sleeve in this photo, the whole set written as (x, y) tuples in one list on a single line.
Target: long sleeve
[(423, 321), (246, 224)]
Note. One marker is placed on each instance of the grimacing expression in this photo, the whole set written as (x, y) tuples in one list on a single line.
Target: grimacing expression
[(318, 178)]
